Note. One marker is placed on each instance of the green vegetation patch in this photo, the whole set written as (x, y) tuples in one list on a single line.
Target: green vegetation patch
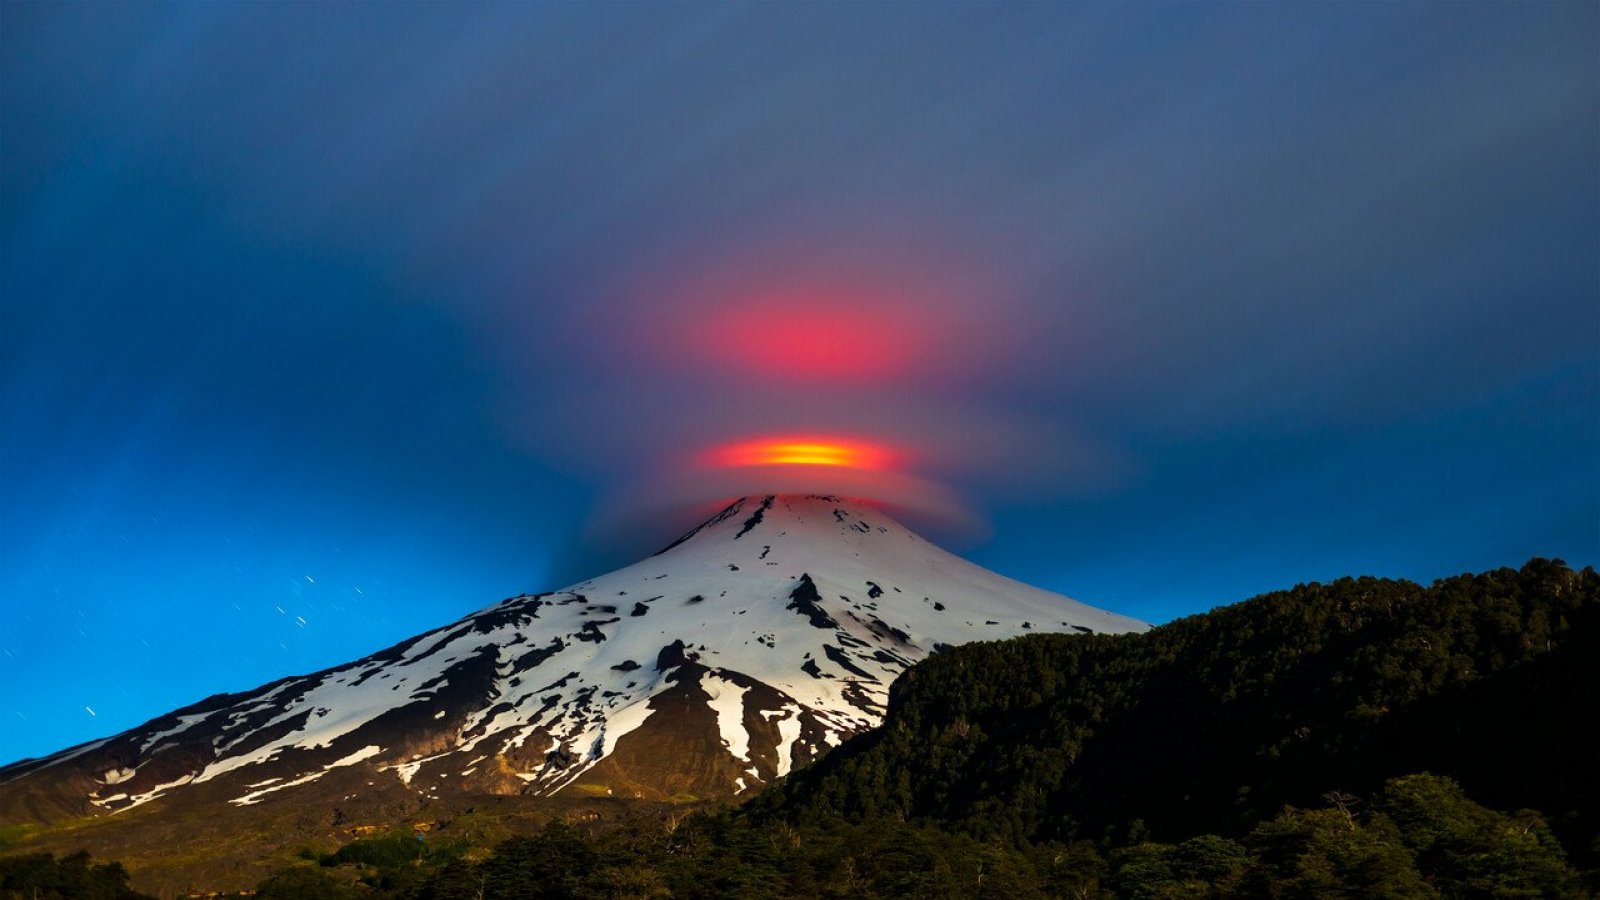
[(41, 876)]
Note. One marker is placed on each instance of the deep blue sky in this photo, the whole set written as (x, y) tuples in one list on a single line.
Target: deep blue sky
[(321, 325)]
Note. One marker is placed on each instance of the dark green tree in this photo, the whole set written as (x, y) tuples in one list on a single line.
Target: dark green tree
[(304, 883), (72, 877), (1330, 853), (1469, 851)]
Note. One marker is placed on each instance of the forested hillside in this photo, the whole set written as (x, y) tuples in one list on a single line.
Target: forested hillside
[(1215, 722)]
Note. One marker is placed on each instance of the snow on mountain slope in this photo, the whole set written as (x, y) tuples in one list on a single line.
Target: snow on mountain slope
[(765, 636)]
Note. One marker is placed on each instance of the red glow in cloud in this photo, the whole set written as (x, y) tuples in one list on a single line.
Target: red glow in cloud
[(867, 317), (819, 338)]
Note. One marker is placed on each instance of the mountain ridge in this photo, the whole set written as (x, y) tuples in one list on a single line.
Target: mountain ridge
[(752, 644)]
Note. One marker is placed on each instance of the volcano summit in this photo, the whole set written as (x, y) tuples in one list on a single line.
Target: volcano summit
[(747, 648)]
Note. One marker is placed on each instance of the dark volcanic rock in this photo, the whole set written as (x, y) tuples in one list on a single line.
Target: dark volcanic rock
[(807, 601)]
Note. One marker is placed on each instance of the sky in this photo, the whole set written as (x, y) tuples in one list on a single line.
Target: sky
[(322, 325)]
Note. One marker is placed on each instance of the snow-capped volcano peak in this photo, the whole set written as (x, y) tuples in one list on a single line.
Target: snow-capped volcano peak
[(760, 639)]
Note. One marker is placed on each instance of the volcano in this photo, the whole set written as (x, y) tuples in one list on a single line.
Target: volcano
[(746, 649)]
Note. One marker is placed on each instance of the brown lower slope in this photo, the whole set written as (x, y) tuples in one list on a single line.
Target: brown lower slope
[(175, 853), (199, 850), (198, 842)]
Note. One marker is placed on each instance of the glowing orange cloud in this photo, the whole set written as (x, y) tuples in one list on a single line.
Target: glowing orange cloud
[(790, 451), (685, 497)]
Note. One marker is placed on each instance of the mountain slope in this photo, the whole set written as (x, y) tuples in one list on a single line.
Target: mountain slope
[(744, 650)]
